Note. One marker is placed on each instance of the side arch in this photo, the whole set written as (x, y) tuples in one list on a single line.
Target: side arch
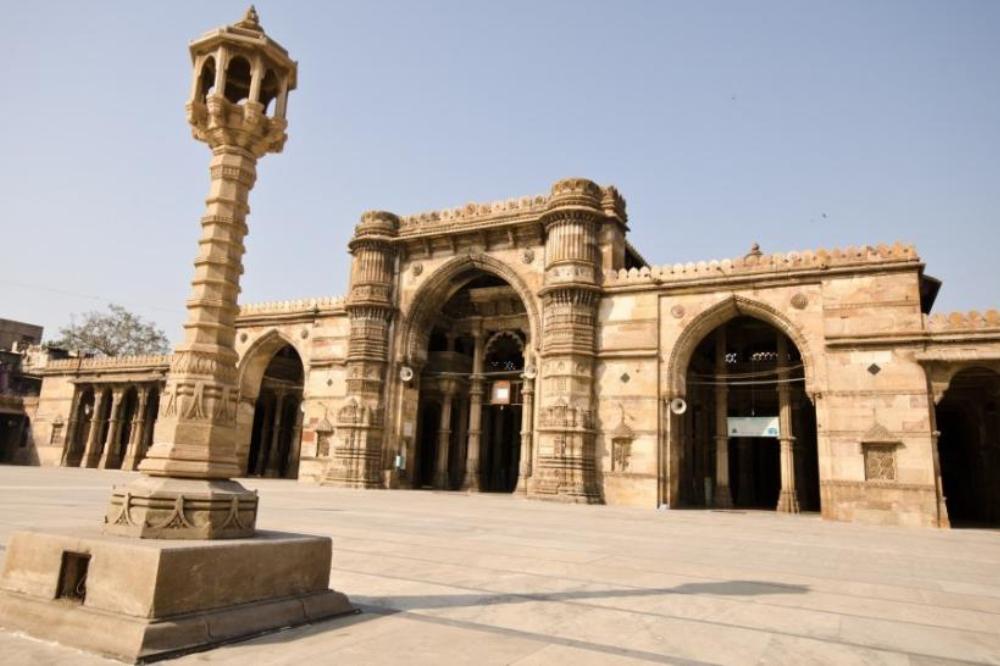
[(253, 363), (718, 314), (441, 285)]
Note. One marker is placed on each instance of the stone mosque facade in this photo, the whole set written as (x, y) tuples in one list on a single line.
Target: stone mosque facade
[(526, 347)]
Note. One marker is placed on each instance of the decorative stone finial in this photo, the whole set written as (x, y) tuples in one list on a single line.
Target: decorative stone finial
[(250, 20)]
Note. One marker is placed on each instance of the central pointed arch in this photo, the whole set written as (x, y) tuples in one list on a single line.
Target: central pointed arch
[(442, 285)]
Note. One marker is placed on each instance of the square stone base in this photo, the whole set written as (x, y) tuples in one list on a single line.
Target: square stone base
[(147, 599)]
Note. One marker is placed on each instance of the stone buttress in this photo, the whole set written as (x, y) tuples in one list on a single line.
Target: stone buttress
[(361, 427)]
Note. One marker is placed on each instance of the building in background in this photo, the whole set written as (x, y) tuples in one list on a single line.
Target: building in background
[(19, 389), (15, 335), (525, 346)]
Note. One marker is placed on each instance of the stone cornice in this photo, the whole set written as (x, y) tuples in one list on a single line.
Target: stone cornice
[(965, 322), (301, 306), (108, 364)]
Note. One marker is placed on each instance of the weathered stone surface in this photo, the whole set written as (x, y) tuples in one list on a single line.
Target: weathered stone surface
[(148, 597)]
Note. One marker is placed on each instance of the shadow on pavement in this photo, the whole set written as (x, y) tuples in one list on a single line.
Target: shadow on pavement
[(719, 588)]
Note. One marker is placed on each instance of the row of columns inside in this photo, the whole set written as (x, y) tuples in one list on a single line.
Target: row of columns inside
[(751, 460), (111, 427), (277, 428), (453, 438)]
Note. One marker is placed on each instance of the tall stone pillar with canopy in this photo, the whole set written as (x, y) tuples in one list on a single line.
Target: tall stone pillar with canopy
[(180, 565)]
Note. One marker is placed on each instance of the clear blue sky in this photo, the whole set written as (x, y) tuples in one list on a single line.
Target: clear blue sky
[(722, 123)]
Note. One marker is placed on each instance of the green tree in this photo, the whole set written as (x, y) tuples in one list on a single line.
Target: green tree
[(117, 332)]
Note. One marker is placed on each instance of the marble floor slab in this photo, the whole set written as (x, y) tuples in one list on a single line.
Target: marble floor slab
[(452, 578)]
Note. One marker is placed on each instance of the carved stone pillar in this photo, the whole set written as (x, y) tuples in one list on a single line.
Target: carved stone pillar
[(69, 455), (109, 454), (476, 389), (441, 477), (92, 451), (788, 500), (722, 495), (294, 452), (357, 455), (133, 452), (188, 468), (273, 463), (527, 429), (566, 465)]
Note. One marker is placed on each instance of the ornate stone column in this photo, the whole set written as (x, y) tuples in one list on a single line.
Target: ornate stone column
[(294, 453), (788, 500), (108, 453), (137, 434), (722, 494), (187, 470), (566, 465), (68, 454), (527, 427), (476, 389), (357, 454), (441, 478), (92, 451)]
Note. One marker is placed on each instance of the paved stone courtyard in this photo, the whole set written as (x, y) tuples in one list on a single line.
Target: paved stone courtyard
[(492, 579)]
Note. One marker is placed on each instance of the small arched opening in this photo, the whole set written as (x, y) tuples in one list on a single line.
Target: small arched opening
[(501, 450), (238, 77), (748, 436), (206, 79), (968, 420), (270, 86), (277, 422)]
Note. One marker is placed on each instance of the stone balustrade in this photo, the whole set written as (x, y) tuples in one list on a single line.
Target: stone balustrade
[(963, 321), (110, 362), (292, 306), (765, 263)]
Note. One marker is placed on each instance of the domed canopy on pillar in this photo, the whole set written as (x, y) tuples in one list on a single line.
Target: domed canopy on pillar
[(247, 35), (240, 86)]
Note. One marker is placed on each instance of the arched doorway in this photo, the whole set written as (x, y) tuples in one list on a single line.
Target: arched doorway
[(969, 448), (748, 436), (469, 406), (277, 420)]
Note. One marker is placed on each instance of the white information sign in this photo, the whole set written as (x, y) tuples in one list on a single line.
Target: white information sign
[(753, 426)]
